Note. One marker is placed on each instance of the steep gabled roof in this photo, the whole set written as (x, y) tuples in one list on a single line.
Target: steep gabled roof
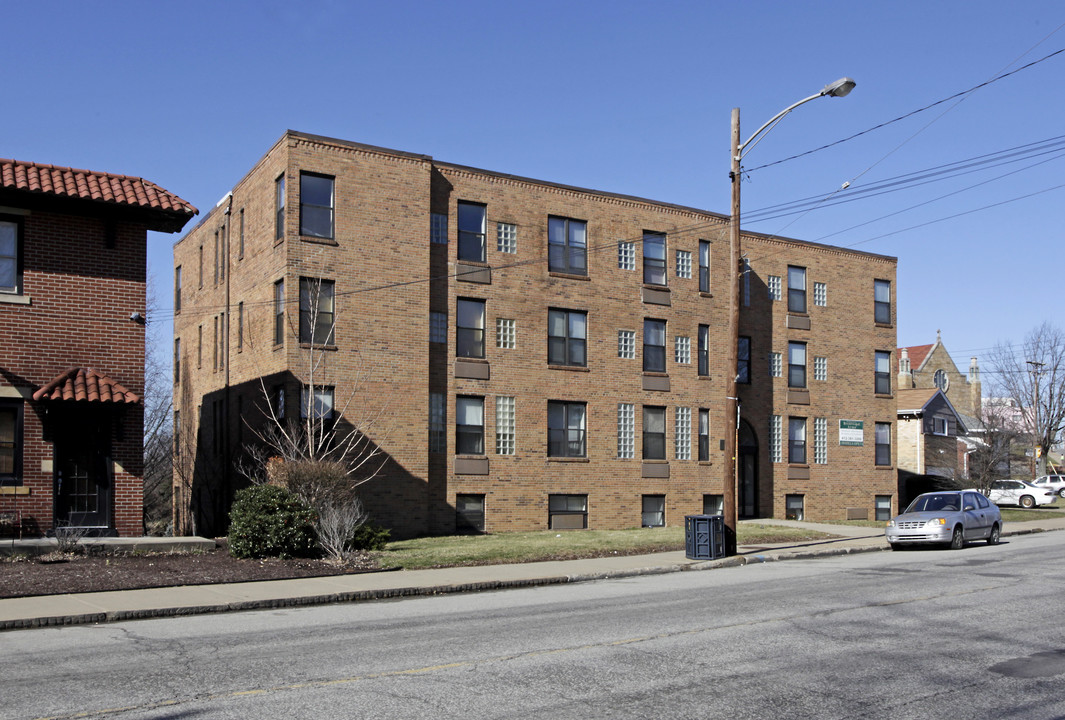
[(164, 210), (918, 354)]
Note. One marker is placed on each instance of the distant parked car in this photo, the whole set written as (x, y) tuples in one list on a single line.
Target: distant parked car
[(949, 518), (1054, 483), (1018, 492)]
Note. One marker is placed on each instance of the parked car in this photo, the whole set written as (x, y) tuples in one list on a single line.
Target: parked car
[(1019, 492), (1054, 483), (949, 518)]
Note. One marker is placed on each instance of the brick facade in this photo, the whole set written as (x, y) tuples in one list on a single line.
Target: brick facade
[(395, 356), (76, 459)]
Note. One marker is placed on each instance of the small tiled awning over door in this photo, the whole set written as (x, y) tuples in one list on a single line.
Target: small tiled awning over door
[(85, 385)]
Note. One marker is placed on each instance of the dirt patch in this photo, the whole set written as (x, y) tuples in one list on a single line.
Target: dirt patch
[(21, 577)]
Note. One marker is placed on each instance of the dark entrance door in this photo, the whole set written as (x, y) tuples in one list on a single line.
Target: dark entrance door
[(747, 493), (82, 470)]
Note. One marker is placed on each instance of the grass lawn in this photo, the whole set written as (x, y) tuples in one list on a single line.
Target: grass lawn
[(452, 550)]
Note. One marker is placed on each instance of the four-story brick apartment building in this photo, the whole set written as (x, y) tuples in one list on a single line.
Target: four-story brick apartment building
[(534, 355)]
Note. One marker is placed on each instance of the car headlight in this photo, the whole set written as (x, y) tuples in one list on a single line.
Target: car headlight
[(890, 523), (935, 522)]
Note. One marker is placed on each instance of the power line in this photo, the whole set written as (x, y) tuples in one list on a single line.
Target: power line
[(961, 94)]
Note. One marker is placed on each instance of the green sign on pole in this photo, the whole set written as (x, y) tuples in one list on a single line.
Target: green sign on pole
[(852, 432)]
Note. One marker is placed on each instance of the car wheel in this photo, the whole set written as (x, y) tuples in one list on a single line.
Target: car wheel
[(1061, 493), (996, 533), (1027, 501), (957, 540), (895, 546)]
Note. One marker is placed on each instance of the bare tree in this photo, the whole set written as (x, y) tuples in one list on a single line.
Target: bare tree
[(158, 427), (1033, 376), (995, 439), (326, 452)]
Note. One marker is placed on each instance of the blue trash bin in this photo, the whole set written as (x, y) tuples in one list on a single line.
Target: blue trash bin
[(704, 537)]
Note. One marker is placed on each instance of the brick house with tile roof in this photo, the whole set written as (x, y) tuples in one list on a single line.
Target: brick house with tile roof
[(73, 247)]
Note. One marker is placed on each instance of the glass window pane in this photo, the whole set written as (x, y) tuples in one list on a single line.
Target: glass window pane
[(469, 411), (8, 239), (316, 190), (471, 218), (556, 323), (882, 291), (797, 278), (471, 314), (577, 323)]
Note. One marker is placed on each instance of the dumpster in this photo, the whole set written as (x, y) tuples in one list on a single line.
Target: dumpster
[(704, 537)]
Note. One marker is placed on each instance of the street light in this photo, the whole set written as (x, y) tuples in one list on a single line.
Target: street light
[(839, 88)]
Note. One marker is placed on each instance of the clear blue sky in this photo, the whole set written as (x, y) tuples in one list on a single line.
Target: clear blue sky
[(630, 97)]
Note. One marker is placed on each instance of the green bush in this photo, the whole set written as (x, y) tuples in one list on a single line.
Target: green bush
[(268, 521), (370, 537)]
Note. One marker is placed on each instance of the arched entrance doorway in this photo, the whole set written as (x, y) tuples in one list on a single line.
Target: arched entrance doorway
[(747, 469)]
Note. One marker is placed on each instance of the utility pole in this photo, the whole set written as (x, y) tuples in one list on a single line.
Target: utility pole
[(1035, 368)]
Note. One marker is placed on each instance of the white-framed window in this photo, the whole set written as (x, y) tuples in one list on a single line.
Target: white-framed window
[(626, 431), (627, 255), (820, 294), (627, 344), (682, 350), (504, 425), (682, 433), (776, 365), (940, 426), (438, 327), (507, 237), (820, 368), (438, 228), (506, 334), (684, 264), (437, 426), (775, 285), (820, 441), (776, 448)]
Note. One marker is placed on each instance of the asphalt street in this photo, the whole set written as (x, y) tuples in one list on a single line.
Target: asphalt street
[(972, 633)]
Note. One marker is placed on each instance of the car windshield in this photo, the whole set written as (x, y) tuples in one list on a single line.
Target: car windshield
[(934, 502)]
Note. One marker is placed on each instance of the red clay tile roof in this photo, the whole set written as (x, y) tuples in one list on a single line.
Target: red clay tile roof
[(85, 384), (917, 353), (90, 185)]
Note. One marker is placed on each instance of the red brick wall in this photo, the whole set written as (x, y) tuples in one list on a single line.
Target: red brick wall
[(81, 296)]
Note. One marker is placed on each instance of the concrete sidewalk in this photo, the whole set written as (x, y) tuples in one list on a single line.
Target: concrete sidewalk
[(98, 607)]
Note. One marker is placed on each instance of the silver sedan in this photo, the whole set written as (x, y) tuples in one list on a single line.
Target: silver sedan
[(949, 518)]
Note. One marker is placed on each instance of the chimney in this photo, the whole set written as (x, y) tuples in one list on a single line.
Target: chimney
[(975, 388)]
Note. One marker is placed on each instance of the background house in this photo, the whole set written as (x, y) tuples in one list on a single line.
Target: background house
[(928, 452), (72, 304)]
